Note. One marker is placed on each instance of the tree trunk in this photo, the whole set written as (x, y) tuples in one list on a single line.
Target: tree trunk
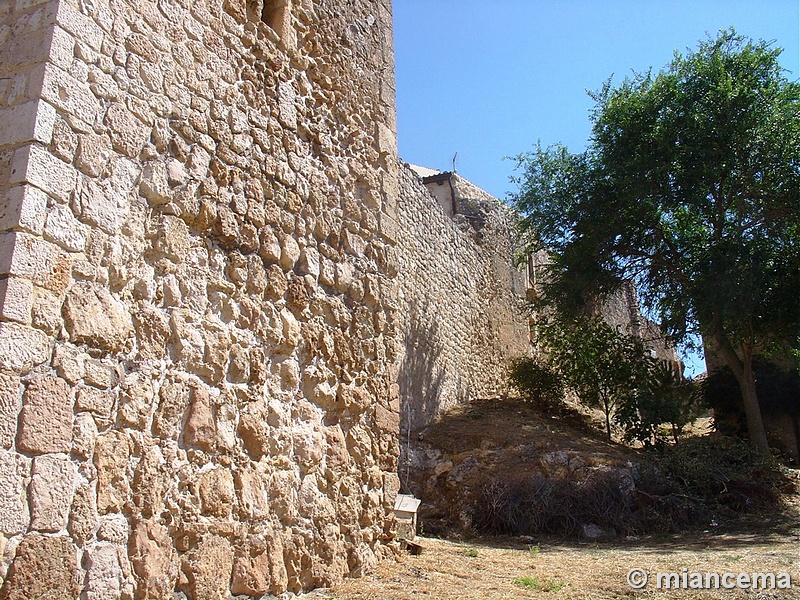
[(752, 410), (742, 368), (607, 410)]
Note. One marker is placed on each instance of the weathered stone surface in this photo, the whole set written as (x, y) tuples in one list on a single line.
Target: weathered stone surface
[(203, 346), (114, 528), (290, 252), (136, 398), (34, 165), (104, 576), (10, 405), (94, 317), (101, 373), (24, 207), (173, 238), (152, 332), (22, 347), (101, 204), (209, 568), (362, 561), (128, 134), (391, 487), (14, 475), (200, 429), (149, 482), (194, 233), (308, 444), (46, 312), (239, 368), (256, 568), (250, 572), (45, 424), (217, 492), (99, 402), (252, 494), (154, 560), (111, 456), (309, 262), (386, 420), (52, 485), (64, 229), (175, 397), (16, 300), (43, 567), (35, 259), (70, 363), (82, 514), (336, 447), (278, 575), (32, 121), (94, 153), (253, 432)]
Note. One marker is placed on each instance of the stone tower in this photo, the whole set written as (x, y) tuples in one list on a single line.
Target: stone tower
[(198, 326)]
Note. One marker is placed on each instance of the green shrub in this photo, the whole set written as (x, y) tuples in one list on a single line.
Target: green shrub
[(720, 470), (537, 382), (660, 409), (702, 479)]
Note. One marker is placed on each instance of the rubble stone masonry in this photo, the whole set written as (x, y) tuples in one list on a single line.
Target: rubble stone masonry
[(216, 279), (197, 317), (460, 296)]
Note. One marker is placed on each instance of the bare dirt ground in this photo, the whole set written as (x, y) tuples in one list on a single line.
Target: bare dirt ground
[(547, 567), (511, 568)]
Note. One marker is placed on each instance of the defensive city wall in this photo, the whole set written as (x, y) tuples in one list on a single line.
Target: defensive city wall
[(221, 294)]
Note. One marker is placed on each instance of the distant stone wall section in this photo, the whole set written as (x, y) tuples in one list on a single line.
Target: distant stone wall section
[(460, 293), (198, 328)]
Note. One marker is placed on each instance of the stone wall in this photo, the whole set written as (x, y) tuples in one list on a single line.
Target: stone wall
[(624, 311), (460, 296), (198, 327)]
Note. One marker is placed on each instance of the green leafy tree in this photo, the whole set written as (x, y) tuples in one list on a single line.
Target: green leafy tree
[(690, 188), (602, 365), (666, 398), (538, 381)]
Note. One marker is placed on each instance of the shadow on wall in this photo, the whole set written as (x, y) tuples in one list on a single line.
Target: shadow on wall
[(426, 384), (423, 379)]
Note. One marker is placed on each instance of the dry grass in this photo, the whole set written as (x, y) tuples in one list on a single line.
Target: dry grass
[(495, 568), (506, 437)]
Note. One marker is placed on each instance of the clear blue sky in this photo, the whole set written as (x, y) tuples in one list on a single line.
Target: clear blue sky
[(489, 79)]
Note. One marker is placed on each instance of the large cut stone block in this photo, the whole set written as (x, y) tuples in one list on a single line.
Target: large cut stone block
[(46, 419), (16, 297), (35, 259), (10, 405), (52, 486), (14, 472), (43, 567), (25, 123), (94, 317), (35, 165), (22, 347), (23, 207)]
